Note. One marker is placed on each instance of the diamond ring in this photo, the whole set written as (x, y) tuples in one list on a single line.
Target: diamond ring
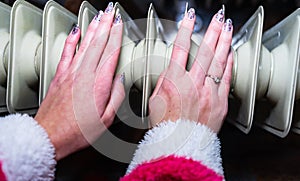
[(217, 80)]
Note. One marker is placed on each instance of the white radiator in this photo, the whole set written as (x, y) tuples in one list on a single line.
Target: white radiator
[(265, 83)]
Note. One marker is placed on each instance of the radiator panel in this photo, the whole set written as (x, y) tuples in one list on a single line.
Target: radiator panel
[(86, 14), (23, 67), (4, 50), (57, 24), (282, 41), (246, 48)]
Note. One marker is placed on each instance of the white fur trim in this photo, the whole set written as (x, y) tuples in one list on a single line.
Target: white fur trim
[(26, 152), (182, 138)]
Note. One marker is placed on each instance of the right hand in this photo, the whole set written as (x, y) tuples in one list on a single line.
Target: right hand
[(193, 95)]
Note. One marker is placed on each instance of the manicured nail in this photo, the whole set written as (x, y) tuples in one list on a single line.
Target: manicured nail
[(75, 29), (109, 7), (220, 14), (228, 25), (118, 19), (98, 15), (191, 13), (122, 78)]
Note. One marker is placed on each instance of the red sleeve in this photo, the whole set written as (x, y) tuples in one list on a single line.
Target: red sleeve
[(172, 168), (2, 176)]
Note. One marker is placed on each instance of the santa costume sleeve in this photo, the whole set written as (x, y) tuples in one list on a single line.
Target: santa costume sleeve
[(26, 152), (181, 150)]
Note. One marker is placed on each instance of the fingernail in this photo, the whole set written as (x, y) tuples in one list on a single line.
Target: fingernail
[(228, 25), (122, 78), (186, 7), (98, 15), (220, 14), (117, 19), (191, 13), (75, 29), (109, 7)]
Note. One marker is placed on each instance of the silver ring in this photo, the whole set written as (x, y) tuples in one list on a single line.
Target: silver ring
[(217, 80)]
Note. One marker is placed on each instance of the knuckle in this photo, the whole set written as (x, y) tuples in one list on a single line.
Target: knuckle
[(113, 47), (205, 51), (151, 98), (92, 28), (227, 79), (226, 40), (215, 27), (206, 101), (206, 95), (167, 87), (64, 56), (97, 42), (219, 64), (59, 80), (181, 44), (192, 94), (83, 47), (185, 31), (100, 38), (116, 31), (69, 41)]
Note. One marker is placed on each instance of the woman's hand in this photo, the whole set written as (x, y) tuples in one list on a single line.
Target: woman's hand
[(84, 95), (202, 93)]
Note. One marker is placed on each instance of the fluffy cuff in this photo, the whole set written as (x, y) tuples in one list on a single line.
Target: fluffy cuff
[(26, 152), (182, 138)]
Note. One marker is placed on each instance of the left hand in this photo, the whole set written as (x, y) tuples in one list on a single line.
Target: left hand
[(83, 97)]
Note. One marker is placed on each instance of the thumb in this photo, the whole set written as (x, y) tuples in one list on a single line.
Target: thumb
[(116, 98)]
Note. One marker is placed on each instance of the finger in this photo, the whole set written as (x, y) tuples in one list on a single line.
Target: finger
[(109, 59), (106, 69), (182, 42), (69, 50), (220, 59), (158, 84), (86, 40), (116, 98), (98, 43), (225, 83), (207, 47)]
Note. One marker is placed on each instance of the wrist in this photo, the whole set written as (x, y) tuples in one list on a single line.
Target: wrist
[(64, 138)]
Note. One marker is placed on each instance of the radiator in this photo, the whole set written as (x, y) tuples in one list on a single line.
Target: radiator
[(265, 78)]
